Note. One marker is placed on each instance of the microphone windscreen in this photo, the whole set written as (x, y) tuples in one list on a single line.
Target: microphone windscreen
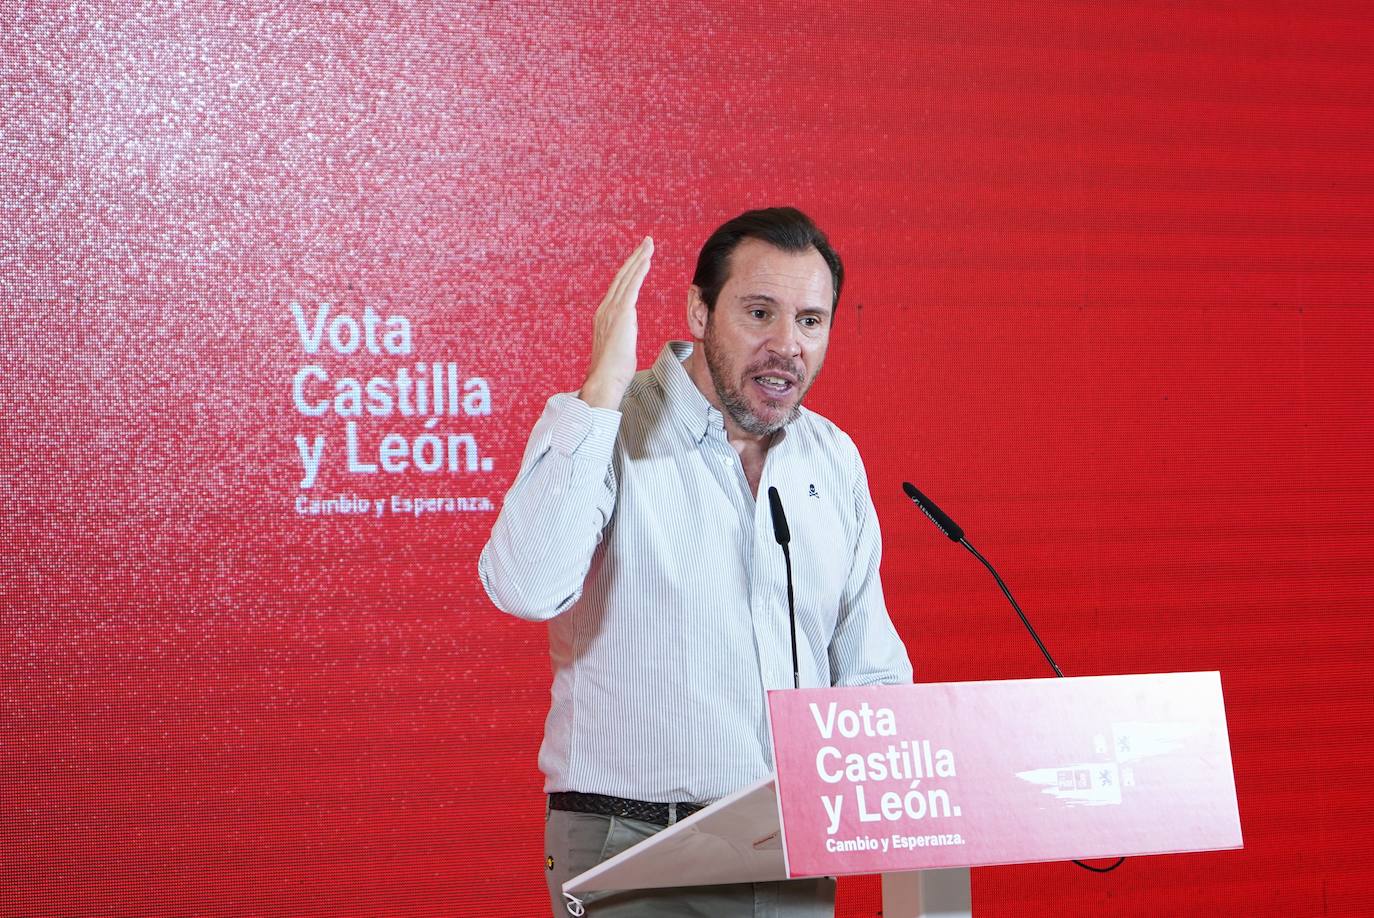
[(937, 516), (780, 531)]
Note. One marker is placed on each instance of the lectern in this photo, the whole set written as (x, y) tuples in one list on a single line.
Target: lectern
[(920, 782)]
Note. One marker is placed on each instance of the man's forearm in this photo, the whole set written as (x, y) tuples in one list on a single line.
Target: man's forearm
[(541, 546)]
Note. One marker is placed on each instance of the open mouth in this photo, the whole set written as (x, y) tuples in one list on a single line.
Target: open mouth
[(774, 385)]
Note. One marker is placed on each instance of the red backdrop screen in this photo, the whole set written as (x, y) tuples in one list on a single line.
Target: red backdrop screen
[(1110, 275)]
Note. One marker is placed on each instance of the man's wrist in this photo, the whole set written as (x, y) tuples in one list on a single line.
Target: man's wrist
[(583, 430), (602, 394)]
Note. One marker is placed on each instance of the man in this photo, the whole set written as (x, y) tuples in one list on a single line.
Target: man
[(634, 528)]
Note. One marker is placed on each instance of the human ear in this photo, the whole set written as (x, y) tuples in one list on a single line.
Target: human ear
[(697, 313)]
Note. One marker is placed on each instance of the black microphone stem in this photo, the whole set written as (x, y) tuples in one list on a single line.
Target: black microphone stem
[(792, 618), (1025, 621), (1053, 665)]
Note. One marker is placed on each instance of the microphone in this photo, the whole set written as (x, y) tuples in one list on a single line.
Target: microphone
[(937, 516), (784, 536), (780, 530), (956, 534)]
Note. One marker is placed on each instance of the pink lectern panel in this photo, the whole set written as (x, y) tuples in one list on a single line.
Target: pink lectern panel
[(913, 777)]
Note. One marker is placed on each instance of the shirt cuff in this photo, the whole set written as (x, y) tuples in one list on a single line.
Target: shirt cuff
[(581, 429)]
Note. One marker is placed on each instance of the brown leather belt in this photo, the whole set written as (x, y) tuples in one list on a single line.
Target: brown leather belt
[(660, 814)]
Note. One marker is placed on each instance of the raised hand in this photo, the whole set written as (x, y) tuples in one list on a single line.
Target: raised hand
[(615, 333)]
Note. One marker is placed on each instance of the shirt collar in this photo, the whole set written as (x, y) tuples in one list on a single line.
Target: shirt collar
[(688, 407)]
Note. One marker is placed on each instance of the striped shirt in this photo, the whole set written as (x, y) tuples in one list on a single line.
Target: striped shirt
[(634, 533)]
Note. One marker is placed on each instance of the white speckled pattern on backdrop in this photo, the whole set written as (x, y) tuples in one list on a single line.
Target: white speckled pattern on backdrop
[(1108, 301)]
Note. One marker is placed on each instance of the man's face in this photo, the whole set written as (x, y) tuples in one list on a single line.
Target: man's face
[(765, 341)]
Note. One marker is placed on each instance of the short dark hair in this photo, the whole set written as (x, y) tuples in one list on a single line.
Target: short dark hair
[(784, 227)]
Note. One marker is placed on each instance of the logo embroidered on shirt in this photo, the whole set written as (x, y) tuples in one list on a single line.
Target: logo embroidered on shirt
[(812, 492)]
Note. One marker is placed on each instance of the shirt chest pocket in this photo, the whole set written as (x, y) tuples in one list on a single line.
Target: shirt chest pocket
[(822, 557)]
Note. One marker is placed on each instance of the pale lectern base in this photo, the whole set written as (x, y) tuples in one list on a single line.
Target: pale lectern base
[(927, 894), (738, 840)]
